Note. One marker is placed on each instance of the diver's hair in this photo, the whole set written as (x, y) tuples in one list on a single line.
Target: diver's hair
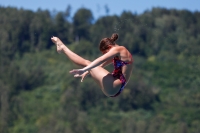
[(114, 37), (106, 42)]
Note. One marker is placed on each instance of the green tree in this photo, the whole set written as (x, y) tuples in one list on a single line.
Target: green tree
[(82, 21)]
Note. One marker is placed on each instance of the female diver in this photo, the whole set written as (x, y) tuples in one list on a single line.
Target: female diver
[(113, 83)]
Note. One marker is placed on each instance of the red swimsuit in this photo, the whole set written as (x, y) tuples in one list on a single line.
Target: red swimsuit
[(117, 73)]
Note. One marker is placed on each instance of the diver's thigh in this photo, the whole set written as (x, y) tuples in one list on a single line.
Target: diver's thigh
[(106, 81)]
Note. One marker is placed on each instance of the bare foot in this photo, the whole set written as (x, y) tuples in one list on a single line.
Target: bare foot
[(58, 43)]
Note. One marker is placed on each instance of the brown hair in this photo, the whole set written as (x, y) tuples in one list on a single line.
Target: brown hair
[(106, 42)]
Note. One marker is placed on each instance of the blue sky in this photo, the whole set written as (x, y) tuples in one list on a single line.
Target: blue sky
[(98, 6)]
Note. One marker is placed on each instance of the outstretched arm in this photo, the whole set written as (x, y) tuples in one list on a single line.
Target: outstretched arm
[(104, 64), (108, 56), (102, 59)]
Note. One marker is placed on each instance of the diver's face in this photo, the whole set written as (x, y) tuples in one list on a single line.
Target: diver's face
[(106, 51)]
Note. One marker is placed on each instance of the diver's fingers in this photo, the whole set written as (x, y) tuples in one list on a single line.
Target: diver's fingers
[(77, 75)]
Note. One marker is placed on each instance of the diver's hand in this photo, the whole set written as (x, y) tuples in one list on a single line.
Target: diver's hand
[(77, 72), (84, 75)]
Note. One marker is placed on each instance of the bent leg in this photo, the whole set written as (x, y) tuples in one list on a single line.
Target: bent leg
[(109, 85)]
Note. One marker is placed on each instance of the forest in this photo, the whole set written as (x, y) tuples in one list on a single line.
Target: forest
[(38, 95)]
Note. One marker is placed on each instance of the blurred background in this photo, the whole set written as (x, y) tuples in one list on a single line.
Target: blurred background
[(38, 95)]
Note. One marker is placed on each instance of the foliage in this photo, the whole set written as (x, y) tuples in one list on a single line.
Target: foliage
[(38, 95)]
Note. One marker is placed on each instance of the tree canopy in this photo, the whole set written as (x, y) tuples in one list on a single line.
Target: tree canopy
[(39, 96)]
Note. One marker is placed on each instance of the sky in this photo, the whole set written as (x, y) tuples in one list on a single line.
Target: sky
[(116, 7)]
